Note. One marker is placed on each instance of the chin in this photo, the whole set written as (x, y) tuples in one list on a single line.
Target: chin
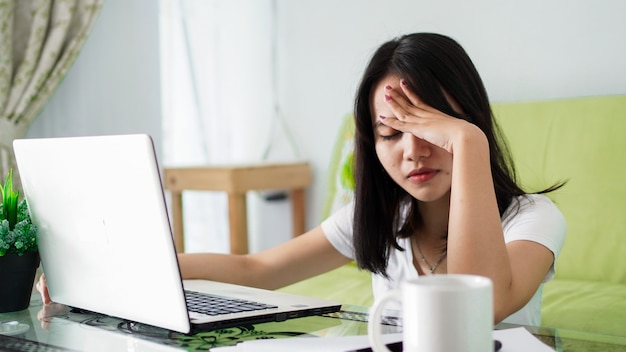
[(429, 196)]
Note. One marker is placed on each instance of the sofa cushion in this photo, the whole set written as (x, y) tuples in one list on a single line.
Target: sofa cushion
[(346, 284), (597, 307)]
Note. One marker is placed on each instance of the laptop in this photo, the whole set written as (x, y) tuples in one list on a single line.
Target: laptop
[(106, 244)]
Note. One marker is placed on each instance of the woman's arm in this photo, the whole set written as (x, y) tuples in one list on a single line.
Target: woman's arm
[(475, 237), (305, 256)]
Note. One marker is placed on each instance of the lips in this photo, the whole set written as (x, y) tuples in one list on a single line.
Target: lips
[(421, 175)]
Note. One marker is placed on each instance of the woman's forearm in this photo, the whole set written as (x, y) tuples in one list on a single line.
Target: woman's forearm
[(475, 239), (216, 267), (305, 256)]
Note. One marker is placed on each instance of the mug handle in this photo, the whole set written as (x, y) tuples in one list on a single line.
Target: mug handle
[(375, 320)]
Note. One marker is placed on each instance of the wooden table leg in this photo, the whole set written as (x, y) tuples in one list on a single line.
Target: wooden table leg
[(238, 223), (177, 221), (298, 209)]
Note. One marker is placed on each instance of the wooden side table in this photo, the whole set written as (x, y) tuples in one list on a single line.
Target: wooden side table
[(237, 181)]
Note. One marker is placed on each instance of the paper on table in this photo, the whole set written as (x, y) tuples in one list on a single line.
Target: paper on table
[(519, 340), (308, 344), (513, 340)]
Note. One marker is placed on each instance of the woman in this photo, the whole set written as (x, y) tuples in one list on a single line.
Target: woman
[(434, 192)]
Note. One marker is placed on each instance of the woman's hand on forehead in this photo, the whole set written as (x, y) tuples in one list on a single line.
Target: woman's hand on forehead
[(412, 115)]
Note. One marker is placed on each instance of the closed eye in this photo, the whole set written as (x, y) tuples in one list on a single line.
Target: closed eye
[(390, 136), (387, 133)]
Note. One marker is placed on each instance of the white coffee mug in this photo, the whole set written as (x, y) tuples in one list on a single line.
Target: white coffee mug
[(440, 313)]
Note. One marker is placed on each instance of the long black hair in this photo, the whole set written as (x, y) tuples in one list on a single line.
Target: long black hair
[(431, 64)]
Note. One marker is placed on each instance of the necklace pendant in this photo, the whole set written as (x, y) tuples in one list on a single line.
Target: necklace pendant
[(431, 268)]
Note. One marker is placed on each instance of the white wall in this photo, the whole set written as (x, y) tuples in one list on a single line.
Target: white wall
[(114, 85), (533, 49)]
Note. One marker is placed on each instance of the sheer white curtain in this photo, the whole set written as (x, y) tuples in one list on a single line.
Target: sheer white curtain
[(219, 98)]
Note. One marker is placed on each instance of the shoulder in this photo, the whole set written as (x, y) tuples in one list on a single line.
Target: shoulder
[(340, 219), (535, 217), (531, 204), (338, 230)]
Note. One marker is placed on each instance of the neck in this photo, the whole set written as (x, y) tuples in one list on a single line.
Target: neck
[(430, 241), (434, 220), (431, 258)]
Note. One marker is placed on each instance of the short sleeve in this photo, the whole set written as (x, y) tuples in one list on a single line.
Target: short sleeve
[(537, 219), (338, 230)]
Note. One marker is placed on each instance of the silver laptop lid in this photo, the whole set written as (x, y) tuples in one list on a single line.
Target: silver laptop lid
[(104, 235)]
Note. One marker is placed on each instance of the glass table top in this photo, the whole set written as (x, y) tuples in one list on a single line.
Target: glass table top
[(59, 328)]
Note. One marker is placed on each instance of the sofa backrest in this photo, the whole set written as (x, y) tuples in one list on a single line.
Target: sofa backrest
[(582, 141), (340, 177)]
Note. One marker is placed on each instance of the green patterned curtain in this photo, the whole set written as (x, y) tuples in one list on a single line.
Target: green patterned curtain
[(39, 41)]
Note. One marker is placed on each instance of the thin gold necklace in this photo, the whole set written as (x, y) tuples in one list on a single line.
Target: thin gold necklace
[(431, 268)]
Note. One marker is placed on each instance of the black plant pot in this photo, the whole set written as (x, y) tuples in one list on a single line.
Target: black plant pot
[(17, 275)]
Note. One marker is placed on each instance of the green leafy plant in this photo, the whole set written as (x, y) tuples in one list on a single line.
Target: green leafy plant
[(17, 234)]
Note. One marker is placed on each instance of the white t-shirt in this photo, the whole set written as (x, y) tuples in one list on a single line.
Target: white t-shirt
[(538, 220)]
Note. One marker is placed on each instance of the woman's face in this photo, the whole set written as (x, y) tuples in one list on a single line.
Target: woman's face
[(420, 168)]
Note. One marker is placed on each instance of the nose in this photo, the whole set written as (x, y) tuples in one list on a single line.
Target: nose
[(415, 148)]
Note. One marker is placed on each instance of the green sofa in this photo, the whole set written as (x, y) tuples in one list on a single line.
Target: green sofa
[(582, 141)]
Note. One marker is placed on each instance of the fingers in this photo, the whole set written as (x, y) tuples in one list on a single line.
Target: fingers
[(42, 287), (411, 100), (405, 104), (414, 99), (399, 104), (412, 115)]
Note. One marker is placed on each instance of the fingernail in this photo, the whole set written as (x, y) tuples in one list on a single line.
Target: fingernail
[(387, 97)]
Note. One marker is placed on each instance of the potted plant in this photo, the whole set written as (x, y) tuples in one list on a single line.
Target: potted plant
[(19, 256)]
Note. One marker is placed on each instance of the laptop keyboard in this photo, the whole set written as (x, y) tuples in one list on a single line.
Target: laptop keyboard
[(208, 304), (14, 344)]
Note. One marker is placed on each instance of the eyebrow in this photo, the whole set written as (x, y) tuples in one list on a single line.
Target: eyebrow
[(378, 124)]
